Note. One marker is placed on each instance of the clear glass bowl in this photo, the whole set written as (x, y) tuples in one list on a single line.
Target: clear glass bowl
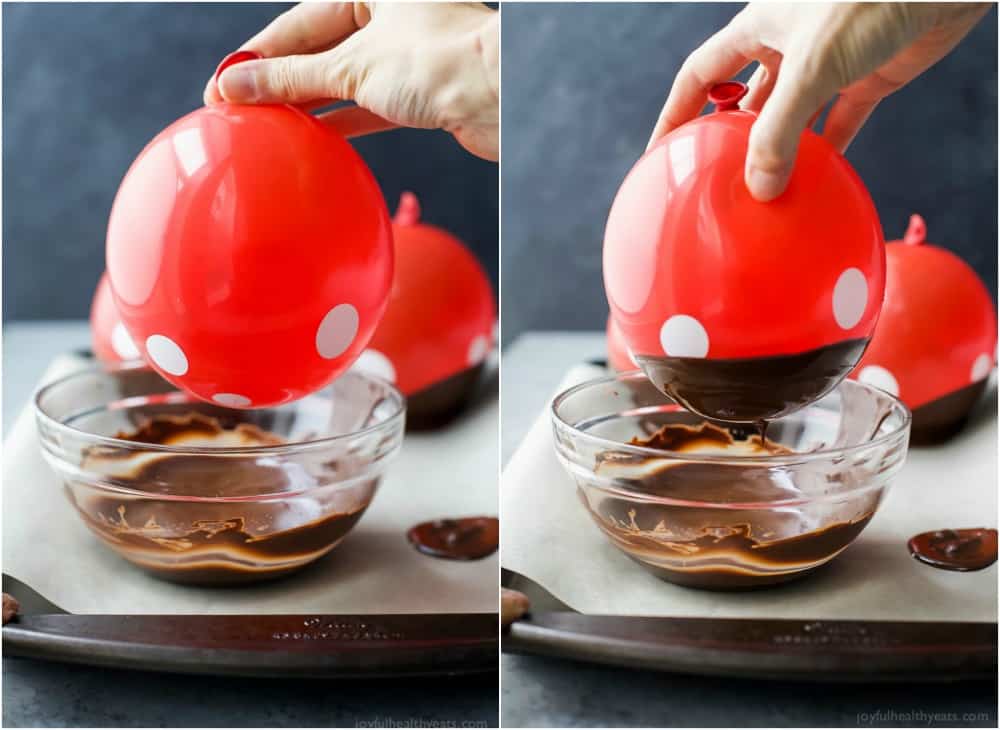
[(731, 516), (231, 496)]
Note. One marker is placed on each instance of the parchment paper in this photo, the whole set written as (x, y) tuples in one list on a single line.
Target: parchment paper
[(547, 536), (448, 473)]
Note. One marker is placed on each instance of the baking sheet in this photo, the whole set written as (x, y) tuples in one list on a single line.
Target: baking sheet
[(547, 536), (447, 473)]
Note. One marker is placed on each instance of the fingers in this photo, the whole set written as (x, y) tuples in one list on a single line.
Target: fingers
[(212, 96), (814, 118), (774, 138), (719, 58), (353, 121), (846, 117), (211, 93), (350, 121), (284, 80), (762, 82), (307, 28)]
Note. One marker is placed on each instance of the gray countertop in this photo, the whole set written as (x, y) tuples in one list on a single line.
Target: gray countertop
[(48, 694), (539, 692)]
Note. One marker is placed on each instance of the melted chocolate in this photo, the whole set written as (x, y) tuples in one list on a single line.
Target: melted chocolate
[(710, 547), (214, 542), (681, 437), (752, 389), (939, 420), (962, 550), (165, 430), (468, 538), (438, 404)]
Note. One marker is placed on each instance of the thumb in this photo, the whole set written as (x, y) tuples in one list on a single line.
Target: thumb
[(774, 137), (284, 80)]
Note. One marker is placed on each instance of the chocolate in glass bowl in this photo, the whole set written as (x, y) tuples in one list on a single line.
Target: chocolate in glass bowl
[(715, 506), (196, 493)]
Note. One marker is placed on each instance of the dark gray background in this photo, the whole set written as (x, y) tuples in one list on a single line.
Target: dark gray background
[(582, 87), (86, 86)]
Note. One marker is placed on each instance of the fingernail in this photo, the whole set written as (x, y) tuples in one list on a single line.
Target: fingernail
[(238, 84), (765, 186), (211, 93)]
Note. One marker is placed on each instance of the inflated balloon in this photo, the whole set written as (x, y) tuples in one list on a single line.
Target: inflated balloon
[(742, 310), (110, 340), (935, 343), (438, 327), (250, 253), (619, 357)]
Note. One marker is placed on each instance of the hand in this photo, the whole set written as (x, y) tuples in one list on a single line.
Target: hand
[(809, 53), (426, 65)]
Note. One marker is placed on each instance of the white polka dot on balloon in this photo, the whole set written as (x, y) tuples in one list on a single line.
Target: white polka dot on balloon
[(479, 348), (683, 336), (166, 354), (850, 298), (337, 331), (231, 400), (879, 377), (123, 344), (981, 368), (375, 363)]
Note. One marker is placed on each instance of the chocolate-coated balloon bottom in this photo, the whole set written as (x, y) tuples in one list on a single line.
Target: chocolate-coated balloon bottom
[(437, 405), (752, 389), (943, 418), (727, 547), (961, 550)]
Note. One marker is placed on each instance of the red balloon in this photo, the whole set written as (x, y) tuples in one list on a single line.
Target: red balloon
[(110, 340), (938, 329), (441, 317), (619, 356), (695, 267), (250, 254)]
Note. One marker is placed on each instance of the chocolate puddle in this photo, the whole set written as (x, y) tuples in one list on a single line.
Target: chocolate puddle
[(216, 542), (961, 550), (710, 547), (467, 538), (752, 389)]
